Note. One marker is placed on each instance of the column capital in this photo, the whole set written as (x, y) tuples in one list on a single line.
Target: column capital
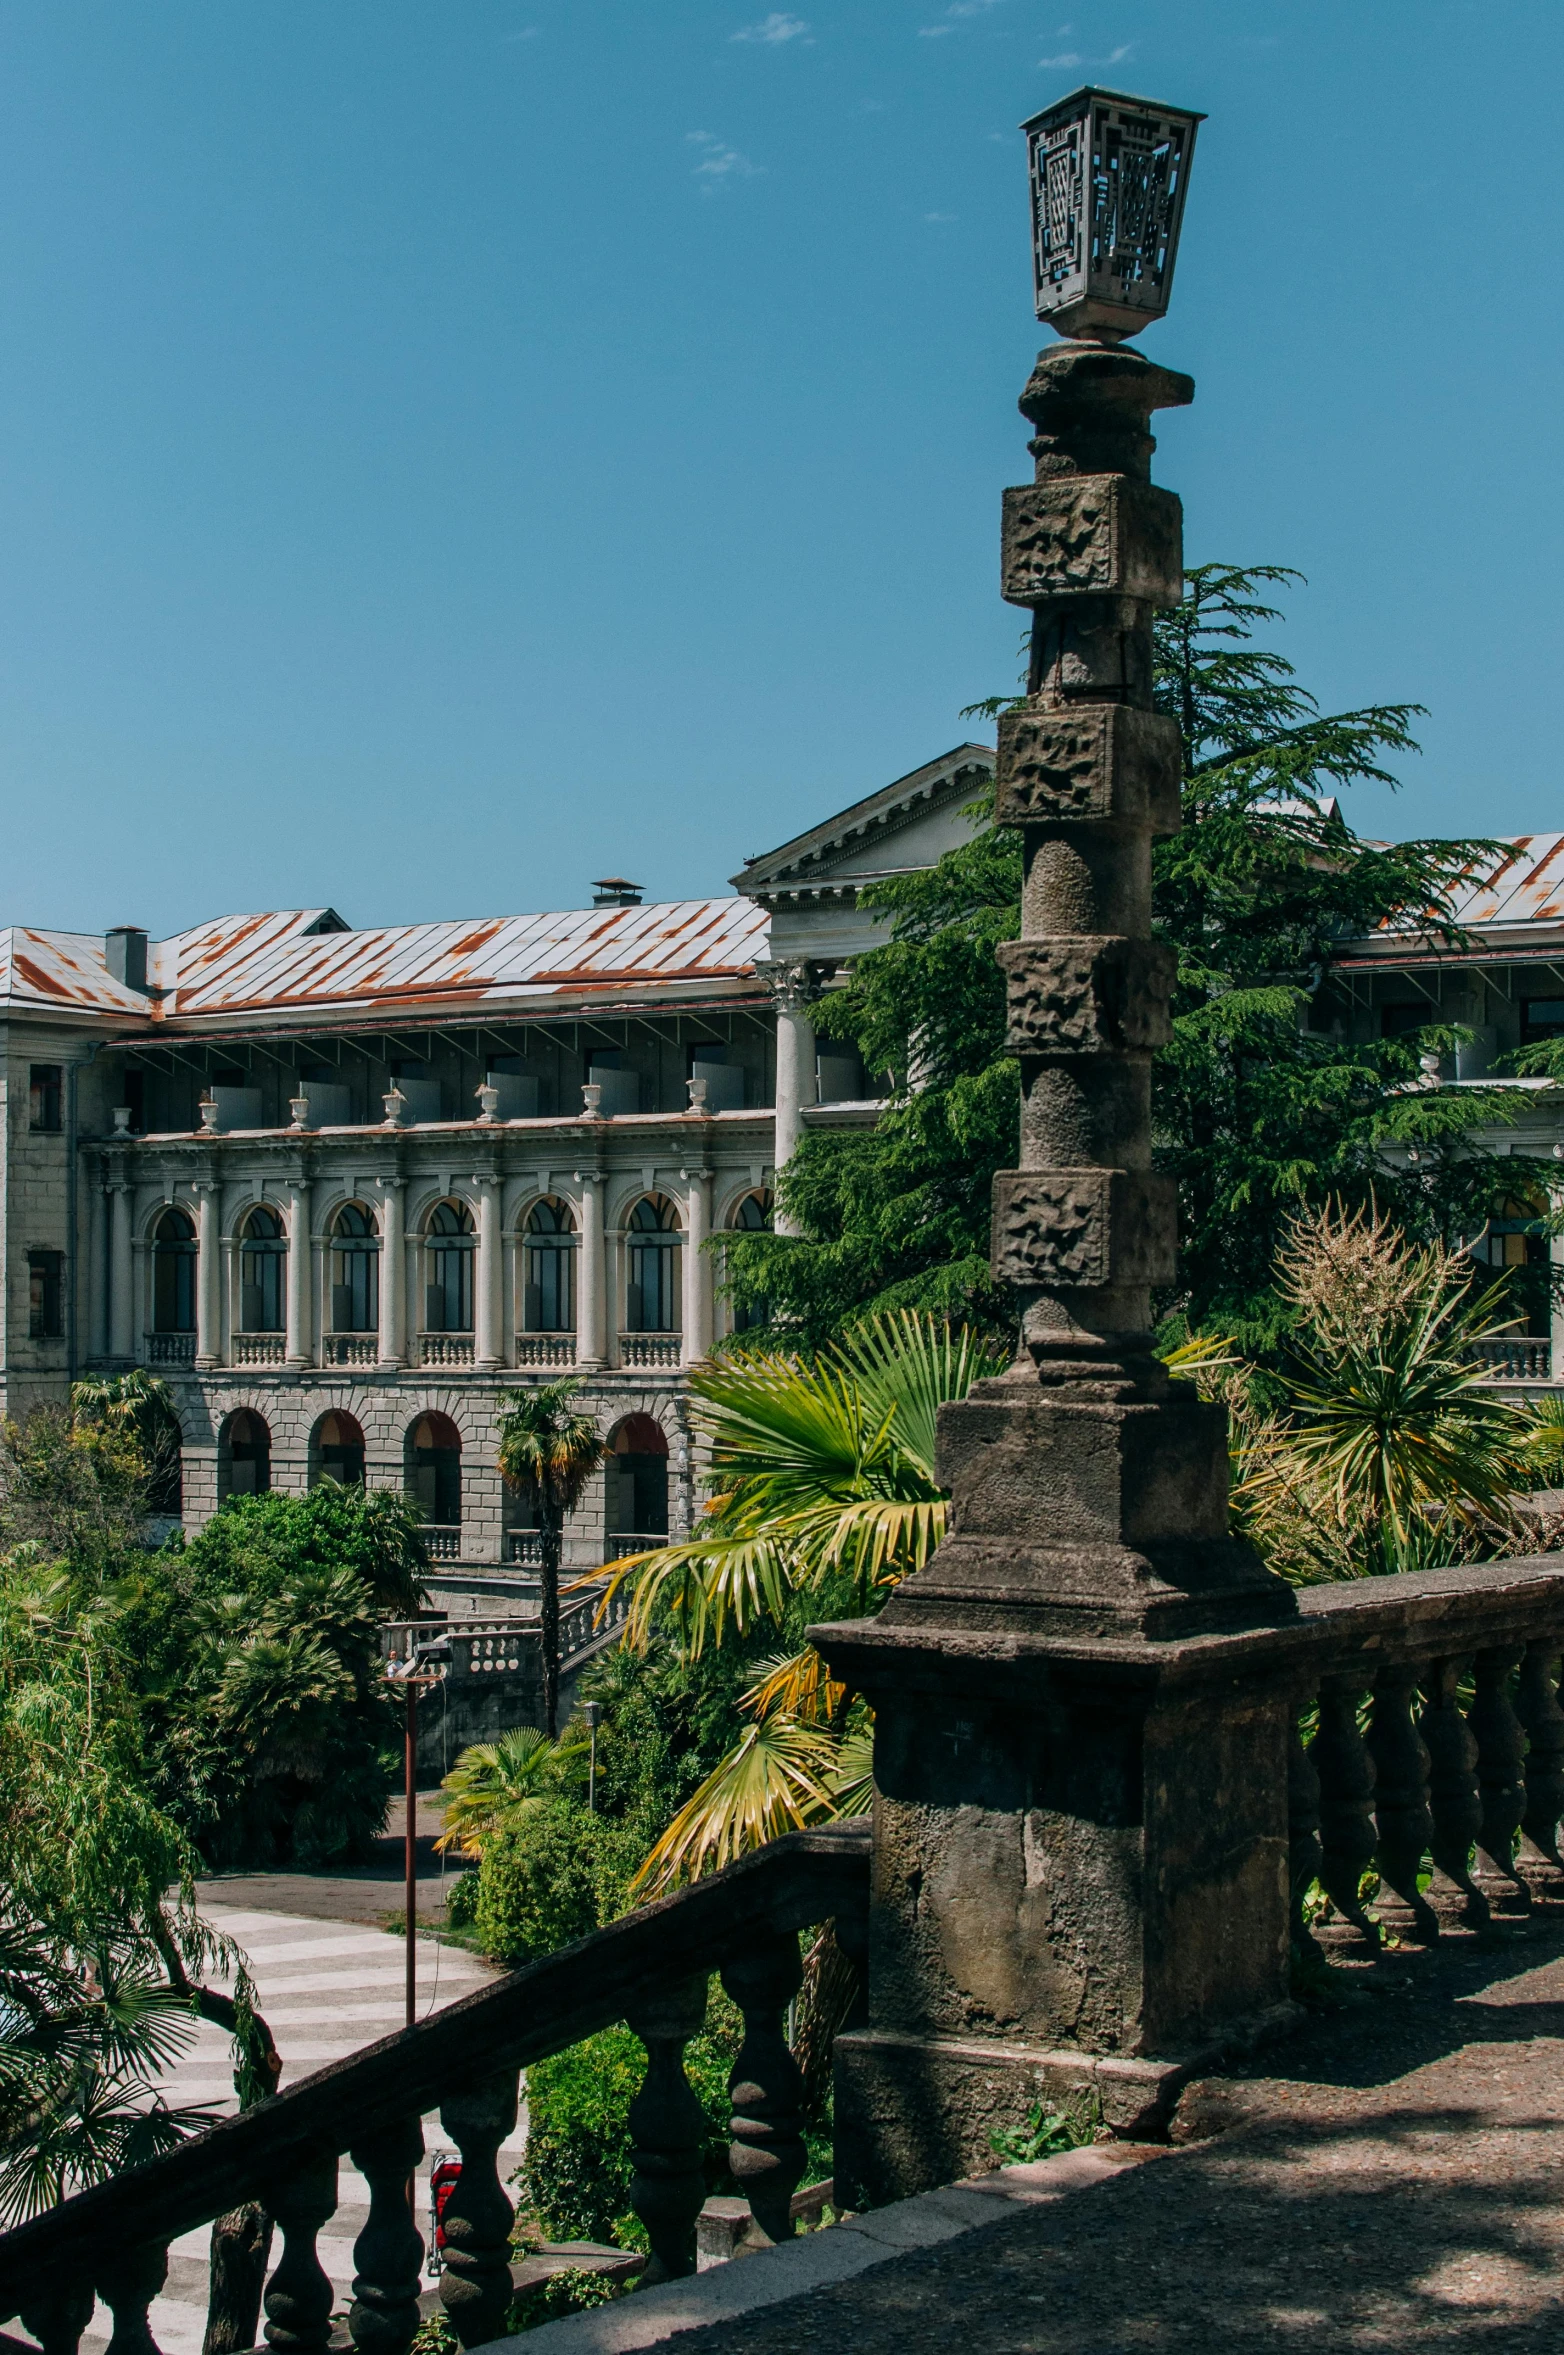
[(794, 982)]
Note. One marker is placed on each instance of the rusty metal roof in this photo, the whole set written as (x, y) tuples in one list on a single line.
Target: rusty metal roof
[(284, 963)]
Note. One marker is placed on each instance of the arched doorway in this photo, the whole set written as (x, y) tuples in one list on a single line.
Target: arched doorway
[(337, 1451), (637, 1477), (434, 1470), (244, 1461)]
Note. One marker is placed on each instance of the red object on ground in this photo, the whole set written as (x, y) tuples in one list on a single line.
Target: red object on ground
[(444, 2176)]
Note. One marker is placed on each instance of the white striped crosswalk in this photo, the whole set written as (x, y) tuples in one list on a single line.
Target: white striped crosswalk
[(324, 1989)]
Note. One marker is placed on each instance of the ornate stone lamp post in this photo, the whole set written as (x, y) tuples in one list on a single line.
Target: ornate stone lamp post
[(1080, 1844)]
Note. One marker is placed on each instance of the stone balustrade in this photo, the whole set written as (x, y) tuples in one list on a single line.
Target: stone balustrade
[(649, 1349), (1515, 1357), (445, 1349), (650, 1970), (259, 1349)]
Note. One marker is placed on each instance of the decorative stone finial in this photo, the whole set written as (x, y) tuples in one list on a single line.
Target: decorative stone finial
[(209, 1111), (488, 1096), (299, 1107), (396, 1107), (592, 1100), (697, 1088)]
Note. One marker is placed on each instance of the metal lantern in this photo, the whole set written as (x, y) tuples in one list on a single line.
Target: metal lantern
[(1108, 179)]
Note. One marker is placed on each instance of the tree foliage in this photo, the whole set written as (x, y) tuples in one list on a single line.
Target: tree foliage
[(1262, 1106), (548, 1452)]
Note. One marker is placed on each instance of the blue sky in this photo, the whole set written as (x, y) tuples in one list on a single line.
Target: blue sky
[(451, 449)]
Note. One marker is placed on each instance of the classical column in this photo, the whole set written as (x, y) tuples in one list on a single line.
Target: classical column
[(592, 1305), (697, 1338), (393, 1274), (793, 989), (209, 1261), (490, 1334), (297, 1348), (1081, 1837), (122, 1339)]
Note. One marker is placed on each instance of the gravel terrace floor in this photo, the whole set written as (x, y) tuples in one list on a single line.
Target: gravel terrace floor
[(1390, 2176)]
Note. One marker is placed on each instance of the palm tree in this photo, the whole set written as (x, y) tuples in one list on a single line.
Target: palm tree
[(826, 1497), (494, 1783), (548, 1452)]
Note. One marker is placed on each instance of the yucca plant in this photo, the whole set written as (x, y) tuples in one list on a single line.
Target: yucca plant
[(826, 1497), (1386, 1452)]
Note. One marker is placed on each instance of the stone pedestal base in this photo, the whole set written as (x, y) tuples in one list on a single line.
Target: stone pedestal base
[(916, 2111)]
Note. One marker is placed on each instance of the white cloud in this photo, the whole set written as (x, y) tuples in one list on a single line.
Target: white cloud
[(957, 13), (775, 29), (1066, 57), (527, 33), (719, 163), (1069, 57), (942, 216)]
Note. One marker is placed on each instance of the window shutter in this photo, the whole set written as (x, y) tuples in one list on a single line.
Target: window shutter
[(532, 1307), (434, 1308), (342, 1308), (251, 1308)]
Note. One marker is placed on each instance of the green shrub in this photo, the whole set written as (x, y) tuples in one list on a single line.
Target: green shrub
[(569, 2292), (557, 1875), (577, 2168), (462, 1901)]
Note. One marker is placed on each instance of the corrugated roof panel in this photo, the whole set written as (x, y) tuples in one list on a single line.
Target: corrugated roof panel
[(62, 969)]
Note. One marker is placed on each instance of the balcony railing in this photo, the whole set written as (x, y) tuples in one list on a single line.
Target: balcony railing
[(168, 1349), (649, 1349), (259, 1349), (350, 1349), (445, 1349), (545, 1349), (525, 1548), (1515, 1357), (650, 1970), (443, 1542), (631, 1541)]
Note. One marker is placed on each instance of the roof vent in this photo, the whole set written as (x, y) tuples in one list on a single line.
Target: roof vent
[(614, 891), (125, 954)]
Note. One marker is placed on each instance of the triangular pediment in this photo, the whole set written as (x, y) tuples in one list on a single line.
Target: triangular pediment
[(901, 829)]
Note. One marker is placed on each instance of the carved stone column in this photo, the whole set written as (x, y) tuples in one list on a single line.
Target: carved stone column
[(794, 989), (1080, 1823)]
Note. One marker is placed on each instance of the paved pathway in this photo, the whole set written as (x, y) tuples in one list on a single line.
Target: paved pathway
[(326, 1986)]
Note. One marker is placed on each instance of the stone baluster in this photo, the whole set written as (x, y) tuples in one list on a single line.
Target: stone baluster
[(1537, 1705), (1501, 1782), (128, 2279), (668, 2130), (475, 2288), (1347, 1836), (1453, 1799), (299, 2295), (1303, 1834), (766, 2088), (58, 2312), (389, 2252), (1401, 1772)]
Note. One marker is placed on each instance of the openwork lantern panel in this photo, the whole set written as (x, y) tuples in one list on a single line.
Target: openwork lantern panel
[(1109, 174)]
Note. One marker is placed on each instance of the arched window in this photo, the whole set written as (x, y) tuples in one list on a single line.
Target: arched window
[(244, 1463), (549, 1283), (652, 1292), (448, 1293), (263, 1255), (637, 1499), (434, 1470), (752, 1217), (337, 1451), (355, 1271), (173, 1274)]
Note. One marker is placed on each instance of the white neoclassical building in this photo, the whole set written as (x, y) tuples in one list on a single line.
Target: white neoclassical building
[(342, 1188)]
